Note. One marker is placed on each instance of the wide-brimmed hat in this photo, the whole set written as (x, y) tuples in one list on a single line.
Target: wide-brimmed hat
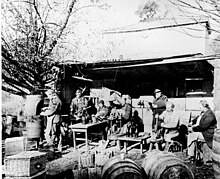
[(157, 90)]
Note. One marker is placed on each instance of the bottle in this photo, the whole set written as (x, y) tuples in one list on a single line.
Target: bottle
[(136, 131), (83, 120), (128, 131)]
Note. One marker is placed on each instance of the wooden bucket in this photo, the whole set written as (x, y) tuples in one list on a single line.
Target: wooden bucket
[(117, 168), (33, 128), (164, 165), (216, 153)]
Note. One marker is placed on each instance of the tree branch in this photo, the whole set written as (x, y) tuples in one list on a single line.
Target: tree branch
[(54, 42)]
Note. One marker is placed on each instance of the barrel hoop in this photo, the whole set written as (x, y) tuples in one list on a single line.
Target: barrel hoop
[(116, 166), (116, 159), (187, 173), (163, 165), (123, 171), (158, 154), (155, 158), (153, 161), (150, 165), (176, 165), (111, 162), (163, 160)]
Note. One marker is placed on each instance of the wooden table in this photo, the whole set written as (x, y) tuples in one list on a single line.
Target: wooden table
[(138, 141), (87, 128)]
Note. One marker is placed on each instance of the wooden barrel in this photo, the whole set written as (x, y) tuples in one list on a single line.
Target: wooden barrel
[(116, 168), (33, 128), (31, 104), (216, 153), (165, 165)]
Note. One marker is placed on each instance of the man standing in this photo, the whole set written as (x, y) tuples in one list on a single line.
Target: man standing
[(127, 111), (53, 114), (77, 106)]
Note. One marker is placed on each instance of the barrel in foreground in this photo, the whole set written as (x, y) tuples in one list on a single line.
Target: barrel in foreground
[(120, 168), (165, 165)]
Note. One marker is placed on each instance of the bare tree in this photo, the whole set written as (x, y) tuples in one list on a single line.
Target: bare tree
[(34, 34), (200, 9), (28, 40)]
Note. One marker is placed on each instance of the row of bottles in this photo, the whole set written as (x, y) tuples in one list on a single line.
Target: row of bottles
[(132, 130)]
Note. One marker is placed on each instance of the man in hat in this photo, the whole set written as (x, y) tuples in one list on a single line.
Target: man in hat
[(77, 106), (158, 107)]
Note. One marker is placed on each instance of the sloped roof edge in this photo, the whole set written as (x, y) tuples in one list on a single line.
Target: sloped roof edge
[(159, 62), (154, 27)]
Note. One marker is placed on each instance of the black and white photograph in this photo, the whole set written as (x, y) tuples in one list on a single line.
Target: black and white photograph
[(110, 89)]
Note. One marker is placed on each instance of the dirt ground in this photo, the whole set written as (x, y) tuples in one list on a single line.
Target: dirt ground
[(62, 167), (203, 172), (71, 159)]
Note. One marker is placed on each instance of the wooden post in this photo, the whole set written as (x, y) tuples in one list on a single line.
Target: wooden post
[(217, 91)]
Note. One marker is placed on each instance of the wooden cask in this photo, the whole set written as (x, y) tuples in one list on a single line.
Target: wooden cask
[(117, 168), (216, 153), (165, 165)]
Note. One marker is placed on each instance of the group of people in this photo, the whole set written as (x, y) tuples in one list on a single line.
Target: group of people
[(165, 119), (82, 110), (117, 113), (166, 122)]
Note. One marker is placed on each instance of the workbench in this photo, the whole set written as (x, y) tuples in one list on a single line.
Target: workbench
[(87, 128), (141, 140)]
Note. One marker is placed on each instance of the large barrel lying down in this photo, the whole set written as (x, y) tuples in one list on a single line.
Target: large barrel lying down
[(165, 165), (117, 168), (216, 153)]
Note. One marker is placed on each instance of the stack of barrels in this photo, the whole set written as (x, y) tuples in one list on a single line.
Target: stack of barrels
[(156, 165)]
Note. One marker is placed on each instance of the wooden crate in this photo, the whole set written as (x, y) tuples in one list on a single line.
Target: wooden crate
[(102, 158), (25, 164), (40, 175), (87, 159)]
